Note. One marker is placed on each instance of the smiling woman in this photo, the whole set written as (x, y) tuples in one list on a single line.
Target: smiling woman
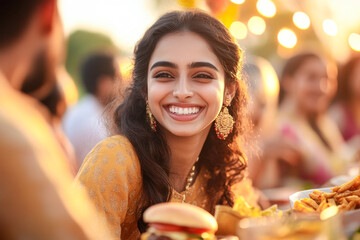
[(183, 83), (167, 146)]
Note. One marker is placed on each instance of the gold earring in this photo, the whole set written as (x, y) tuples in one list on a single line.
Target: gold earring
[(224, 122), (150, 117)]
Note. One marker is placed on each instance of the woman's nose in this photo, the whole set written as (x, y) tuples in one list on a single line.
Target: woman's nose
[(182, 89)]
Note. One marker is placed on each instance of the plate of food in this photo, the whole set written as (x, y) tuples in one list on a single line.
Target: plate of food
[(345, 197)]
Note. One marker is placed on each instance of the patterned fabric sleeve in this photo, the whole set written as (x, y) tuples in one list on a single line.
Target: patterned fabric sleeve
[(110, 174)]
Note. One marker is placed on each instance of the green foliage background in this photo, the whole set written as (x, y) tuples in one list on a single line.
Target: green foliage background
[(80, 44)]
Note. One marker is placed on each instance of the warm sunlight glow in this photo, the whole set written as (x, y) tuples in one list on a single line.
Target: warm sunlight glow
[(124, 22), (67, 84), (330, 27), (266, 8), (287, 38), (354, 41), (238, 30), (238, 1), (271, 80), (301, 20), (256, 25)]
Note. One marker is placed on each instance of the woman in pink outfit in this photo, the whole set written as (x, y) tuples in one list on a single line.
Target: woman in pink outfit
[(305, 93)]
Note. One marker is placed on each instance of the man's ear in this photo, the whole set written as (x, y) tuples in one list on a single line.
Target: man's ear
[(47, 10)]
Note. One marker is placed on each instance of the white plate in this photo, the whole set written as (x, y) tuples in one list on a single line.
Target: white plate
[(304, 194), (339, 180)]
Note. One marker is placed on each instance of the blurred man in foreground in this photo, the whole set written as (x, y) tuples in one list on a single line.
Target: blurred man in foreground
[(37, 200)]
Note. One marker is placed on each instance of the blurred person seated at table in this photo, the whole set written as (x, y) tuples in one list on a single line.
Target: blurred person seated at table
[(37, 200), (346, 109), (306, 90), (83, 123), (268, 147)]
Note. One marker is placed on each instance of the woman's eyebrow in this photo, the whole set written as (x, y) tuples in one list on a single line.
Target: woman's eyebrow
[(202, 64), (192, 65), (163, 64)]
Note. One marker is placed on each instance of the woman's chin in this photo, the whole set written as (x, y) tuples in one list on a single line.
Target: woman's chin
[(187, 131)]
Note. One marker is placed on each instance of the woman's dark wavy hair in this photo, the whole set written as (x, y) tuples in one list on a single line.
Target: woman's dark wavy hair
[(344, 79), (223, 160)]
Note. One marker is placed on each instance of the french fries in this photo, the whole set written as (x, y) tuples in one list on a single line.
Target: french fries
[(245, 210), (346, 197)]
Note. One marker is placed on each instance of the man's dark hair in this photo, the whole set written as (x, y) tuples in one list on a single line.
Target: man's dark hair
[(93, 67), (14, 18)]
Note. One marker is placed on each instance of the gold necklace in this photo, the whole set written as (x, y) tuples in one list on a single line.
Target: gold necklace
[(189, 179)]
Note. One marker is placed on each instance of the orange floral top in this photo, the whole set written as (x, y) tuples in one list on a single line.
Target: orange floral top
[(111, 174)]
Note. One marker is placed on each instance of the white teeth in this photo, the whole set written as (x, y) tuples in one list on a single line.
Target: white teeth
[(183, 111)]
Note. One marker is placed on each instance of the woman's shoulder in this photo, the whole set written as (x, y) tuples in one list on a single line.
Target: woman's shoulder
[(113, 152), (114, 144), (116, 141)]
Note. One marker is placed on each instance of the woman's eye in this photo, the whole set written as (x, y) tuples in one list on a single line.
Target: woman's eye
[(163, 75), (203, 76)]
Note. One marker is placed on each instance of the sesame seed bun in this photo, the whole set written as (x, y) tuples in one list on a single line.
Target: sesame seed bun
[(180, 214)]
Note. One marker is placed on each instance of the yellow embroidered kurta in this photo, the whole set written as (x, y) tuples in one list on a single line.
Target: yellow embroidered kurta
[(111, 174)]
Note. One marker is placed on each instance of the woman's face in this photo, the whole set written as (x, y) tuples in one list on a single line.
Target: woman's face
[(310, 87), (186, 84)]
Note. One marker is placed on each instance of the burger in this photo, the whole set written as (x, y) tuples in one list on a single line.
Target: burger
[(178, 221)]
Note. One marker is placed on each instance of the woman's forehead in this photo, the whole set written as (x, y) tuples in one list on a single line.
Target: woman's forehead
[(184, 47)]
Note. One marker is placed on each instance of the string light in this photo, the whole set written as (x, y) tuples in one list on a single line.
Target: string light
[(256, 25), (354, 41), (330, 27), (287, 38), (266, 8), (238, 30), (301, 20), (238, 1)]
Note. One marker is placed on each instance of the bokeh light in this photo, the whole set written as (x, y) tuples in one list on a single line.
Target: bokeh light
[(271, 80), (301, 20), (238, 30), (287, 38), (238, 1), (354, 41), (256, 25), (330, 27), (266, 8)]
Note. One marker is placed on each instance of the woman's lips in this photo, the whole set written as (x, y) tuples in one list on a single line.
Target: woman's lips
[(183, 112)]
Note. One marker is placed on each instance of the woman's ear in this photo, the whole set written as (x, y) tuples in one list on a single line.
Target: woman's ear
[(230, 91)]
